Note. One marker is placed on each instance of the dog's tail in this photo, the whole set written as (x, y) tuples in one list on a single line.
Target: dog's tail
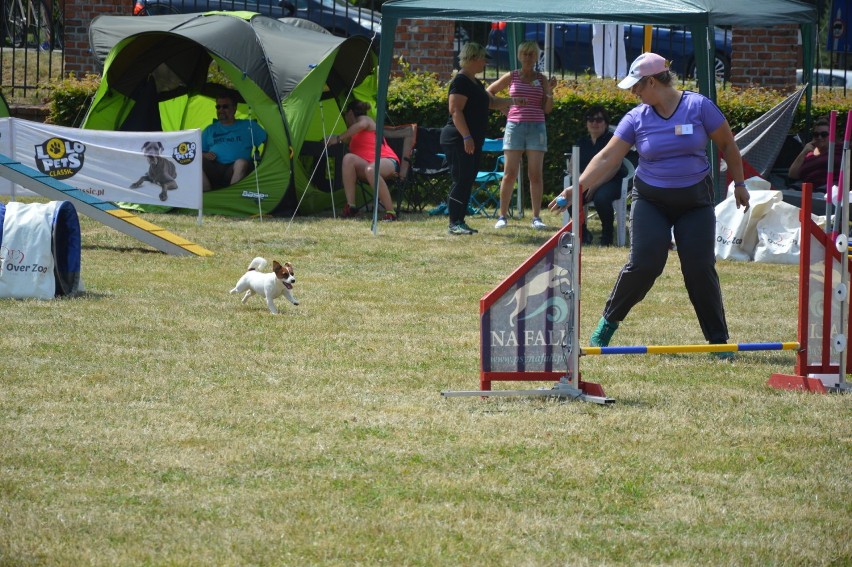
[(258, 264)]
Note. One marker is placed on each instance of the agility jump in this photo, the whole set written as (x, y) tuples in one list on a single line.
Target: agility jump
[(529, 331)]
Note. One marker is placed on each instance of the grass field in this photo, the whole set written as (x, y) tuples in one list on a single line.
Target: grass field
[(155, 420)]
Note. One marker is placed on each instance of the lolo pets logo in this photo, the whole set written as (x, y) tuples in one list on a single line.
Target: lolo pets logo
[(60, 158), (184, 153)]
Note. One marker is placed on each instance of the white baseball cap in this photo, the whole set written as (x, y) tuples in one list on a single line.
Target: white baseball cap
[(643, 66)]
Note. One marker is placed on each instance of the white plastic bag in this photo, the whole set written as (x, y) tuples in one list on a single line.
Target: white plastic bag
[(736, 231), (778, 235)]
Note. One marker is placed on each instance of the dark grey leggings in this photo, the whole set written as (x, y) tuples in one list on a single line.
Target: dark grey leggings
[(654, 212)]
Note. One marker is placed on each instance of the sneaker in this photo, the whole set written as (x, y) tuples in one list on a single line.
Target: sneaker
[(725, 356), (390, 216), (467, 228), (603, 333), (501, 222), (458, 229), (348, 212), (537, 224)]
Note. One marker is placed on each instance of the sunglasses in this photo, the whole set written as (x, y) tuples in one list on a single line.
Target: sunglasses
[(595, 119), (223, 106), (820, 134)]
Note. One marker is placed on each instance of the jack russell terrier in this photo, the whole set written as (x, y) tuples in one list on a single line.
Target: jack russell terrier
[(268, 284)]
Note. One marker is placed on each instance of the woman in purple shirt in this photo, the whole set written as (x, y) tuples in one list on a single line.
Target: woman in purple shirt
[(673, 191)]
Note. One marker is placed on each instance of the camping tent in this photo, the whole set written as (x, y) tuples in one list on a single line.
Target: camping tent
[(699, 15), (4, 107), (294, 81)]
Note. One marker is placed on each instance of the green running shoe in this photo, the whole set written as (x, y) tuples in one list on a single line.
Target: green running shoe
[(726, 356), (603, 333)]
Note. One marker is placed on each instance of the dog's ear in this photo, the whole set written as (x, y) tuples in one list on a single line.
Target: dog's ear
[(160, 145), (276, 267), (289, 266)]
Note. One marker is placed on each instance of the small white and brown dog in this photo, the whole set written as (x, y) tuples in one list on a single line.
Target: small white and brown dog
[(268, 284)]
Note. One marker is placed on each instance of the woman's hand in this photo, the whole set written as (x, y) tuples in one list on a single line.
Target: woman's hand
[(561, 202), (469, 146), (741, 196)]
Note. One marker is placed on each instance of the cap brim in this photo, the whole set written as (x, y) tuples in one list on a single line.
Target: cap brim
[(628, 82)]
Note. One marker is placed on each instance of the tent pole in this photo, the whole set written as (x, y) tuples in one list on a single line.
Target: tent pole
[(385, 59)]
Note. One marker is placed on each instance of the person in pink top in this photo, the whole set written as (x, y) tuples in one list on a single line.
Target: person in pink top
[(525, 129), (359, 162), (672, 193)]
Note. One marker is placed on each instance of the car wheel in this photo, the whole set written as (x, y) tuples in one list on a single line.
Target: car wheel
[(16, 25), (721, 68), (557, 63)]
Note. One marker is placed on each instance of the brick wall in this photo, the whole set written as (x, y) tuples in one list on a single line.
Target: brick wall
[(427, 45), (78, 15), (766, 57)]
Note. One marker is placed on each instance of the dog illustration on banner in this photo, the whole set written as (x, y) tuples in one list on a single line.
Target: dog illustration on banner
[(161, 171), (554, 277)]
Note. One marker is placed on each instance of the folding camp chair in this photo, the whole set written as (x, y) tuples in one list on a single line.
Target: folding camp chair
[(401, 139), (485, 197), (430, 172), (619, 206)]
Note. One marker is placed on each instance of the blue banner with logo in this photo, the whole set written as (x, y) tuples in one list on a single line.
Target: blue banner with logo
[(839, 38)]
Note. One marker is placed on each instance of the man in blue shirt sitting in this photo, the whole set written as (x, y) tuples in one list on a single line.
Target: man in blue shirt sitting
[(227, 146)]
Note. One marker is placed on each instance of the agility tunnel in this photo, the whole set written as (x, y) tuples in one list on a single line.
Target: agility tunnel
[(40, 250)]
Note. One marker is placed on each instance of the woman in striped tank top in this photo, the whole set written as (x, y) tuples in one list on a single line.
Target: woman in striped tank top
[(525, 129)]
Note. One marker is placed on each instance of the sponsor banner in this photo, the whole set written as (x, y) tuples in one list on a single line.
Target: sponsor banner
[(150, 168), (6, 186), (839, 38), (526, 327)]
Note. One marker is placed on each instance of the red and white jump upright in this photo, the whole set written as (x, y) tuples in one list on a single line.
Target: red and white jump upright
[(823, 319)]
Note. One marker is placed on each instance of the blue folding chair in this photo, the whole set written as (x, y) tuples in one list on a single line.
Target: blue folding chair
[(485, 197)]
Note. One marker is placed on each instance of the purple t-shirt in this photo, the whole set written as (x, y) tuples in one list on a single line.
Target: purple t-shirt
[(672, 151)]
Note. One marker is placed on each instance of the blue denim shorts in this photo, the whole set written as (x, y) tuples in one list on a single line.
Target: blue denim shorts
[(525, 136)]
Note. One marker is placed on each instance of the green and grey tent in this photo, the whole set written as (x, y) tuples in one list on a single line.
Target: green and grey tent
[(293, 81), (4, 107)]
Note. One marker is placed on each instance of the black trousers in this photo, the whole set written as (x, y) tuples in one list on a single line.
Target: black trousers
[(654, 213), (463, 168), (603, 199)]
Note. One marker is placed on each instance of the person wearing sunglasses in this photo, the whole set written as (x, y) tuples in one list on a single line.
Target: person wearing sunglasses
[(597, 126), (672, 194), (811, 165), (227, 145)]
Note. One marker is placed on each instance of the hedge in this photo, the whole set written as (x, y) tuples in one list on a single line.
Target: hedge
[(421, 98)]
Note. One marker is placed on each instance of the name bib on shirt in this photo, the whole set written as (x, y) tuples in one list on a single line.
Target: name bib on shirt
[(683, 129)]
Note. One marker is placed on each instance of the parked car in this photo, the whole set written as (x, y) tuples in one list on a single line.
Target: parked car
[(839, 78), (572, 47), (337, 16)]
